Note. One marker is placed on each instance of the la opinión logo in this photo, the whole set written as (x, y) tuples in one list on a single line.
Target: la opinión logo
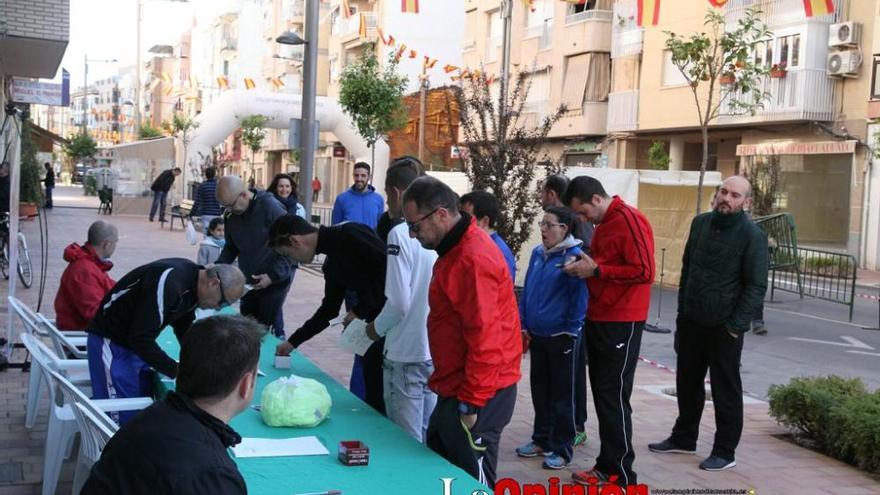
[(509, 486)]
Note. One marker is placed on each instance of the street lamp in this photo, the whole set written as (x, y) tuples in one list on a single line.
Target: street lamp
[(86, 59), (308, 131)]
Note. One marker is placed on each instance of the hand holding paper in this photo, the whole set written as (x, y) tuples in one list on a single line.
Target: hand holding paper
[(354, 338)]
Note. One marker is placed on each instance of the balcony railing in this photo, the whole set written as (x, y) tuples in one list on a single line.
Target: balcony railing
[(623, 111), (803, 94), (779, 12), (626, 42), (353, 24), (544, 33), (601, 15)]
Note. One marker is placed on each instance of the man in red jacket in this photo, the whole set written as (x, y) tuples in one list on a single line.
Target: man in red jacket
[(619, 273), (85, 282), (473, 331)]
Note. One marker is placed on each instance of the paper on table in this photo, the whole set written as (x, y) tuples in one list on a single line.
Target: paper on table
[(279, 447), (354, 337)]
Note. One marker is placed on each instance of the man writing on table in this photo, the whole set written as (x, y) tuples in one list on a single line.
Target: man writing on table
[(122, 337)]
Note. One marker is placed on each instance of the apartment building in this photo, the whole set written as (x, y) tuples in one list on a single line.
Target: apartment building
[(565, 50), (814, 125)]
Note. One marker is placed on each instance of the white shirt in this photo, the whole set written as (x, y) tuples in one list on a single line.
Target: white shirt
[(404, 319)]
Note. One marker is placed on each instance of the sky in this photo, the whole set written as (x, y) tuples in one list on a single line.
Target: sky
[(107, 29)]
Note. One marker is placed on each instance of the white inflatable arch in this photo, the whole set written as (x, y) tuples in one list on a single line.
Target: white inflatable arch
[(223, 116)]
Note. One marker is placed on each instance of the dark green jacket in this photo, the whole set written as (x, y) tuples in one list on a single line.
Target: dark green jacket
[(724, 271)]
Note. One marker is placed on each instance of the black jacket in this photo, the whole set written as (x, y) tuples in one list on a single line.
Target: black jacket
[(355, 261), (49, 181), (172, 447), (145, 301), (164, 181), (247, 238), (724, 271)]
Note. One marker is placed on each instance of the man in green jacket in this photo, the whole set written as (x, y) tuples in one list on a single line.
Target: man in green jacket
[(723, 280)]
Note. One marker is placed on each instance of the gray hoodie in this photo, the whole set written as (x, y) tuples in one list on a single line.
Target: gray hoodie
[(209, 251)]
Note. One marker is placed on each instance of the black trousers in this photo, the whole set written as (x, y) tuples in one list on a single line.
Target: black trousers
[(265, 305), (552, 379), (713, 348), (475, 450), (580, 384), (613, 349)]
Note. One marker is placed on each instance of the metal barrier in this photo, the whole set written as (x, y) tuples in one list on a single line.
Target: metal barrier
[(322, 215), (826, 275)]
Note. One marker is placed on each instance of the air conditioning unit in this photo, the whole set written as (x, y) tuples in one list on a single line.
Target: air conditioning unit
[(844, 63), (844, 34)]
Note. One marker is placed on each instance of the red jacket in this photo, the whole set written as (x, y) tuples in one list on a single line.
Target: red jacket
[(84, 284), (623, 247), (473, 325)]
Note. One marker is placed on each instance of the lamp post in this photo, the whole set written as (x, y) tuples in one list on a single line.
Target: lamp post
[(307, 140), (86, 61)]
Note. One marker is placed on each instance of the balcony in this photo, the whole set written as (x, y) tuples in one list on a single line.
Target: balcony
[(588, 120), (803, 94), (349, 29), (543, 32), (592, 33), (779, 12), (35, 36), (626, 42), (623, 111), (601, 15)]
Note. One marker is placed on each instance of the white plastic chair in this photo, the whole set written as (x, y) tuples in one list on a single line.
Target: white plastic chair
[(65, 343), (95, 426), (62, 422), (33, 325)]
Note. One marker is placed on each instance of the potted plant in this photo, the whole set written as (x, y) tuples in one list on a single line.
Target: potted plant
[(30, 188), (778, 71)]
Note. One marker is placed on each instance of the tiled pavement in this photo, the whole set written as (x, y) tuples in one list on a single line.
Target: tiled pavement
[(765, 462)]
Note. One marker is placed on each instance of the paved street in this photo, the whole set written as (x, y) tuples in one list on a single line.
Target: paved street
[(765, 462)]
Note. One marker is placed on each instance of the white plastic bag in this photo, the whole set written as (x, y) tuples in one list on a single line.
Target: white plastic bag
[(295, 401), (191, 235)]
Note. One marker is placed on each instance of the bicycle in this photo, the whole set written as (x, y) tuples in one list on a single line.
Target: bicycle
[(25, 269)]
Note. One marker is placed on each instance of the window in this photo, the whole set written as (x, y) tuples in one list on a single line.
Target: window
[(470, 30), (671, 75), (789, 50), (875, 79)]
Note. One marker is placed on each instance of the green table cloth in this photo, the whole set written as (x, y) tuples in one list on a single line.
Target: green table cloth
[(398, 463)]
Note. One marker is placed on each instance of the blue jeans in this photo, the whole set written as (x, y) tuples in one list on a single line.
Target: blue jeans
[(408, 401), (158, 199)]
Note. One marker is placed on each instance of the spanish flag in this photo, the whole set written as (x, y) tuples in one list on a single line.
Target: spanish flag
[(362, 29), (409, 6), (718, 3), (649, 12), (166, 78), (346, 10), (818, 7), (277, 82), (450, 68), (168, 90), (413, 54), (529, 4), (222, 82), (249, 83), (391, 40), (193, 82), (400, 51), (430, 62), (381, 35)]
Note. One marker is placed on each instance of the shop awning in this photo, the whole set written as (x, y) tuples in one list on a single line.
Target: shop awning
[(789, 148)]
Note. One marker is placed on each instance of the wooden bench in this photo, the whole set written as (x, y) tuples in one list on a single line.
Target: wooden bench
[(181, 212)]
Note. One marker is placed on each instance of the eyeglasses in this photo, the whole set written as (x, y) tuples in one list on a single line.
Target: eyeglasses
[(547, 225), (223, 301), (414, 226)]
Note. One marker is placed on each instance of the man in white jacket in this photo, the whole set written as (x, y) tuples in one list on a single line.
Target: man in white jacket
[(403, 320)]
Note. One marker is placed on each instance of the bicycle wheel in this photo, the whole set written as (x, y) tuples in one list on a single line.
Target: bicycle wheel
[(4, 262), (25, 270)]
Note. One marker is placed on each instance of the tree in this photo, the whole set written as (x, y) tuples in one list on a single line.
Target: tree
[(147, 131), (506, 167), (657, 156), (182, 128), (253, 132), (704, 59), (373, 96), (81, 146)]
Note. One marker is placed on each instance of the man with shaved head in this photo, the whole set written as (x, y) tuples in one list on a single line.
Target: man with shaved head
[(85, 281), (249, 215), (723, 280)]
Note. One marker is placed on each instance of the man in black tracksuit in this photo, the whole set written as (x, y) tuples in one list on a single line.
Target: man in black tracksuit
[(122, 346), (160, 189), (249, 215), (355, 261), (179, 445), (723, 280)]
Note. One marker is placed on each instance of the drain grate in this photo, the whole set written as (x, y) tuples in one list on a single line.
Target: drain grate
[(11, 472)]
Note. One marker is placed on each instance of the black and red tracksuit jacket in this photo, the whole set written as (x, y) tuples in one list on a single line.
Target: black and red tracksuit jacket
[(623, 247), (473, 325)]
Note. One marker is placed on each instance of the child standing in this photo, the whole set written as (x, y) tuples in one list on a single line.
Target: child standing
[(210, 247)]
